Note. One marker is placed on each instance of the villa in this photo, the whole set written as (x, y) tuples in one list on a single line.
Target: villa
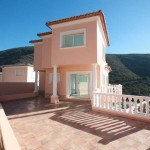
[(70, 60), (71, 57)]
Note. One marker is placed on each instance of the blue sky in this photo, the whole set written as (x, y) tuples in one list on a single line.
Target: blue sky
[(128, 21)]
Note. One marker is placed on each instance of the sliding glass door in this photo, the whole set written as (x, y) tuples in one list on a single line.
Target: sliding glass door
[(79, 85)]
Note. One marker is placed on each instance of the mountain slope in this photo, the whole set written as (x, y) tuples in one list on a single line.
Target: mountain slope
[(130, 70)]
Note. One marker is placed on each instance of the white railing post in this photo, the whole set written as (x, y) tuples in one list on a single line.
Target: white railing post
[(36, 84), (54, 97)]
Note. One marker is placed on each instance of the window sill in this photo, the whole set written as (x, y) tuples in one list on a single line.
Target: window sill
[(62, 48)]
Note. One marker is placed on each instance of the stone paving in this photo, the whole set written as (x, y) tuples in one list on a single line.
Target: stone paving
[(39, 125)]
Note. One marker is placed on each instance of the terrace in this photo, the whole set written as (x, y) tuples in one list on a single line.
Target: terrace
[(39, 125)]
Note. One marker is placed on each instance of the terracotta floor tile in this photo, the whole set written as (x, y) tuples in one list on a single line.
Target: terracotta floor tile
[(39, 125)]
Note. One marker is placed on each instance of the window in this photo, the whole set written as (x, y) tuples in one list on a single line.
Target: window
[(72, 38), (19, 72)]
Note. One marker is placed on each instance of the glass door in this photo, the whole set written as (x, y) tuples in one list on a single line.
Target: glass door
[(79, 85)]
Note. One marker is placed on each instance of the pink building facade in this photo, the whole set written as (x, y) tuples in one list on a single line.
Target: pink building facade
[(18, 73), (70, 58)]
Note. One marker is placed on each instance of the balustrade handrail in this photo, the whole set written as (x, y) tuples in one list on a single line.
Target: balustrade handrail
[(123, 95), (128, 105)]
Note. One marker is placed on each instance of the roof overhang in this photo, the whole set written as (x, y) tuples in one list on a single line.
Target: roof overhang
[(35, 41), (81, 19), (45, 34)]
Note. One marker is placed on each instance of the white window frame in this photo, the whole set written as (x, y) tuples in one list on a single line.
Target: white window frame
[(72, 32), (78, 72), (19, 72)]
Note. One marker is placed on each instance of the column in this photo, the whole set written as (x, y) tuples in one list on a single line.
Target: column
[(54, 97), (94, 77), (36, 84)]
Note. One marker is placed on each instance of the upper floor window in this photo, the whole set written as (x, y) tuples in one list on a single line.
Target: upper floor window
[(73, 38), (19, 72)]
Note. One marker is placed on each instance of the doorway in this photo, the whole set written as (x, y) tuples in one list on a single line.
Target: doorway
[(79, 85)]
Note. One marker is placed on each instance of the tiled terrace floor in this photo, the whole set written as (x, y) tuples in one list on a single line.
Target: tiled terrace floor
[(39, 125)]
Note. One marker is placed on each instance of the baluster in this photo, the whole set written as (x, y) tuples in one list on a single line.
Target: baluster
[(112, 102), (96, 98), (130, 107), (116, 101), (125, 98), (141, 106), (120, 100), (136, 106), (147, 107), (93, 102), (104, 101), (96, 102), (108, 98), (100, 100)]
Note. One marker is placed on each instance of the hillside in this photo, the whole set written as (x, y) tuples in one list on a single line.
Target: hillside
[(130, 70)]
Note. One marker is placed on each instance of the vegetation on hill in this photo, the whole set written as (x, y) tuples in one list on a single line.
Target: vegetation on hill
[(130, 70)]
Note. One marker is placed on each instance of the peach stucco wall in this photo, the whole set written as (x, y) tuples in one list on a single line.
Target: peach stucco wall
[(46, 52), (71, 56), (41, 81), (48, 86), (38, 57), (9, 74)]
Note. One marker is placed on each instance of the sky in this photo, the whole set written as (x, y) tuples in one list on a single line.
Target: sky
[(128, 21)]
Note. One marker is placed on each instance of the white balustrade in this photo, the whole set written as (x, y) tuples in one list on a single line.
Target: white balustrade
[(126, 104), (112, 89)]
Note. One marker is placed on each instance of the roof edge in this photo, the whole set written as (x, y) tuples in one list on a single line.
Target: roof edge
[(17, 65), (35, 41), (44, 33), (91, 14)]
